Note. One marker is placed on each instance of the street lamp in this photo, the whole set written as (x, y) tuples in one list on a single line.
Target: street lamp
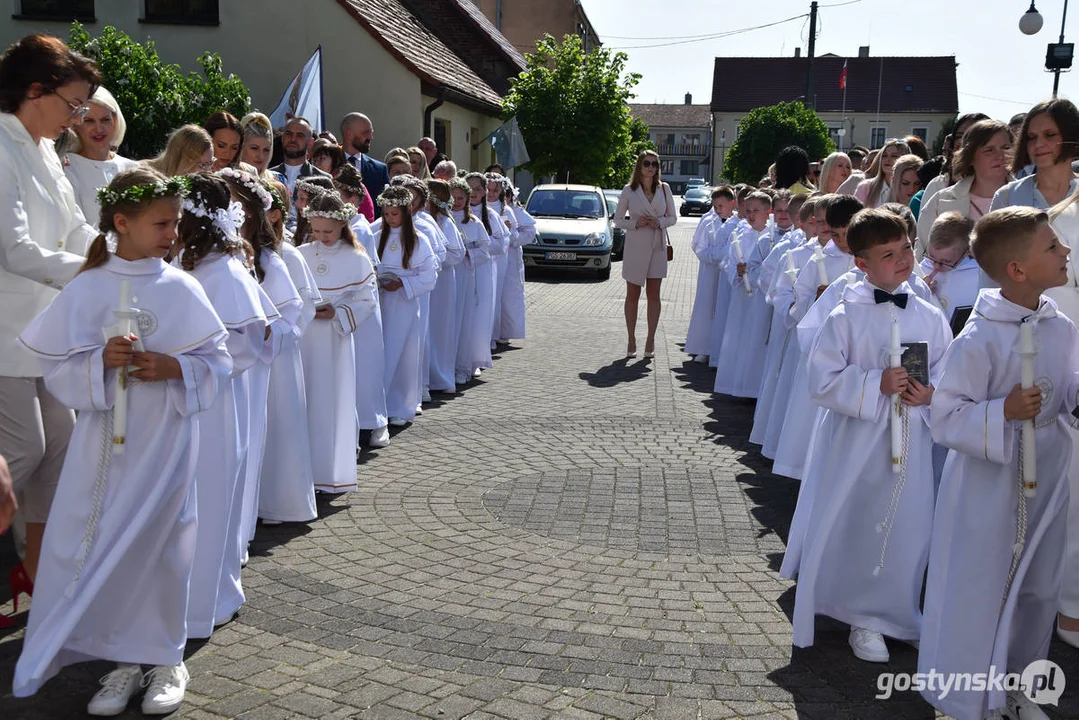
[(1058, 56)]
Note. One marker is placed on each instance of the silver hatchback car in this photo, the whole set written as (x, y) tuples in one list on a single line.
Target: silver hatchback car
[(573, 229)]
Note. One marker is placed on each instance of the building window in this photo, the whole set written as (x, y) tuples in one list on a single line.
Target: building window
[(182, 12), (694, 139), (876, 137), (922, 132), (689, 167), (442, 136), (57, 10), (666, 166)]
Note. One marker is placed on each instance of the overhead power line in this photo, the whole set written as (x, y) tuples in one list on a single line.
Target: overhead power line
[(685, 40)]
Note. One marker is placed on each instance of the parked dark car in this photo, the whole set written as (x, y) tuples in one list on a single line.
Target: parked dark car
[(619, 235), (696, 200)]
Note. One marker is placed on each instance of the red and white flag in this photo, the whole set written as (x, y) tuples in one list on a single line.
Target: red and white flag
[(843, 77)]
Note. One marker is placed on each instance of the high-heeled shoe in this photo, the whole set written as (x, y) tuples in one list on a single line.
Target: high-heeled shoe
[(20, 582)]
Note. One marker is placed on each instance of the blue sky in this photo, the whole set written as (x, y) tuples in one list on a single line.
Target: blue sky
[(1001, 71)]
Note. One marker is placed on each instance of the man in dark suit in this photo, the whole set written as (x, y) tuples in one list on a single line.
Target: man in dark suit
[(357, 132), (295, 143)]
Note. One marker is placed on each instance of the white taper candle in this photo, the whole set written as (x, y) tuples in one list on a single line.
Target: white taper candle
[(736, 245), (895, 359), (119, 406), (818, 257), (1030, 455)]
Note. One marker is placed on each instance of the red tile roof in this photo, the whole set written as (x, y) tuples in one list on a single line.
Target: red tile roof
[(476, 15), (407, 39), (674, 116), (907, 84)]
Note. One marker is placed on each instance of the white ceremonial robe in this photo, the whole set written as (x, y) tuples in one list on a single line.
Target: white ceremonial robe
[(402, 327), (112, 583), (783, 298), (429, 229), (699, 333), (741, 356), (281, 292), (778, 335), (957, 287), (474, 347), (513, 287), (864, 551), (346, 279), (442, 323), (507, 226), (370, 352), (970, 623), (234, 294), (724, 289), (88, 176), (800, 415), (1066, 297), (286, 487)]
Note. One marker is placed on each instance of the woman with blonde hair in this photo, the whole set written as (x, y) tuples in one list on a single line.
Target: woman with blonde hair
[(650, 206), (873, 190), (395, 152), (257, 147), (905, 182), (92, 160), (418, 161), (834, 172), (189, 150)]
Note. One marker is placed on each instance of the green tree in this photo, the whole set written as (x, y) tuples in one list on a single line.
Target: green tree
[(571, 107), (157, 97), (622, 165), (767, 130), (946, 129)]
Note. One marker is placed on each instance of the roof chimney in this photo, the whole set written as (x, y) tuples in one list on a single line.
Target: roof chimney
[(689, 99), (863, 51), (797, 52)]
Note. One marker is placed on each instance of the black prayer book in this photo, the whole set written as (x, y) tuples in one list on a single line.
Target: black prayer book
[(916, 361), (959, 318)]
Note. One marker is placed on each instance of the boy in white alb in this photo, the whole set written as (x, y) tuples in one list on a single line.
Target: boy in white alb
[(735, 224), (741, 355), (951, 273), (998, 539), (866, 548), (708, 242)]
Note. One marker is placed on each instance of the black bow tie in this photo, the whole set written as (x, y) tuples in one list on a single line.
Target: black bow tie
[(900, 299)]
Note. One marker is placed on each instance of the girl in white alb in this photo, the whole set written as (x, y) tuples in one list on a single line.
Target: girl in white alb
[(120, 542), (513, 288), (443, 326), (207, 247), (496, 194), (407, 272), (287, 483), (346, 281), (477, 296)]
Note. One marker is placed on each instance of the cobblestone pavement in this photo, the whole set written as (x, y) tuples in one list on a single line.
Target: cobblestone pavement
[(574, 536)]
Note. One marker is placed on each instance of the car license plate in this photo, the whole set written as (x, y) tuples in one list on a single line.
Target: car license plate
[(561, 256)]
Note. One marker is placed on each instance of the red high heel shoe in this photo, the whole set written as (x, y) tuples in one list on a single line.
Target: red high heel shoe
[(20, 582)]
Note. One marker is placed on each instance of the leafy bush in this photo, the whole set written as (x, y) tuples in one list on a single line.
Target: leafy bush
[(157, 97), (767, 130), (571, 107)]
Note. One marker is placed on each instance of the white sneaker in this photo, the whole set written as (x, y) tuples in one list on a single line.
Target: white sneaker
[(116, 690), (244, 559), (460, 378), (700, 359), (1020, 707), (477, 373), (398, 422), (380, 438), (426, 396), (419, 410), (165, 689), (868, 645)]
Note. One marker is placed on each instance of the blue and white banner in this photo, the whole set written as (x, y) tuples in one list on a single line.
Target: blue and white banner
[(303, 97)]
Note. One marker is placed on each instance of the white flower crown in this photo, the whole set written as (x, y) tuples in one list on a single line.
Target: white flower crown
[(343, 215), (395, 196), (311, 189), (445, 205), (249, 182), (229, 220)]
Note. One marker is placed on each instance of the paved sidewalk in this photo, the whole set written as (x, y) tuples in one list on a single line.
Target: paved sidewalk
[(574, 536)]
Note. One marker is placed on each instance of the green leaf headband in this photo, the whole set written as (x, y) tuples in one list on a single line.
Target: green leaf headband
[(460, 184), (395, 196), (178, 186), (344, 215)]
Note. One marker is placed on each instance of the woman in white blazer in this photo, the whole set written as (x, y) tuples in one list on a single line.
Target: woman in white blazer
[(44, 89), (982, 165), (650, 205)]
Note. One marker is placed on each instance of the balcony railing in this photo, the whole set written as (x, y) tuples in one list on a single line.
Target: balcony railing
[(684, 149)]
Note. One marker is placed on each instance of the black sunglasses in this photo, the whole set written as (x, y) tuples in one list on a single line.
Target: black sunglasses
[(649, 163)]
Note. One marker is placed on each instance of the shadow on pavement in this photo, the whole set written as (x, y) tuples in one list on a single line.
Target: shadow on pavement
[(620, 371)]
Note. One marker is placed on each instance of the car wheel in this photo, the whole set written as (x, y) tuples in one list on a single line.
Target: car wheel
[(605, 273)]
